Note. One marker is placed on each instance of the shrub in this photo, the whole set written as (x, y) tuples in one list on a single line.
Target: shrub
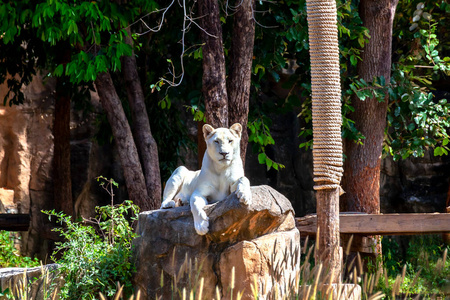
[(95, 253), (426, 268), (10, 256)]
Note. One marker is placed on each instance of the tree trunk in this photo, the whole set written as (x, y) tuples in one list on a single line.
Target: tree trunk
[(240, 72), (214, 83), (361, 179), (145, 143), (128, 154), (61, 154)]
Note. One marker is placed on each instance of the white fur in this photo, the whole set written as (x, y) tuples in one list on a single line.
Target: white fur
[(221, 174)]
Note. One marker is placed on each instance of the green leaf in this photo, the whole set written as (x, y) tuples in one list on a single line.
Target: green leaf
[(438, 151), (260, 140), (198, 54), (269, 163), (262, 158), (259, 67), (353, 60), (73, 28), (361, 40), (58, 70)]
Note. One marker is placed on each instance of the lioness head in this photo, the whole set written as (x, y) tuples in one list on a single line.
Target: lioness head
[(223, 144)]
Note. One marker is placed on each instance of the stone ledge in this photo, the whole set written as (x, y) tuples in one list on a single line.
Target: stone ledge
[(10, 278), (253, 239)]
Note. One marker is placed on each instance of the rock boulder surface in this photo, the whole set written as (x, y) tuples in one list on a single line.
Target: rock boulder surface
[(256, 245), (38, 283)]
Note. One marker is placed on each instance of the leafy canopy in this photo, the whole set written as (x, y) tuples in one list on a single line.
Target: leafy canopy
[(34, 33), (418, 116)]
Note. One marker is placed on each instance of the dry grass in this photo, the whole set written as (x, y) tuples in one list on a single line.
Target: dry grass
[(312, 282)]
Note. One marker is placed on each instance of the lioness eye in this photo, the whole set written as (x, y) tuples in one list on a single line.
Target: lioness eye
[(230, 141), (216, 141)]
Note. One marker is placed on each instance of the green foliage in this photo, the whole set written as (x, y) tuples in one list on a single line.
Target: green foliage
[(415, 121), (424, 270), (352, 35), (90, 33), (197, 113), (261, 138), (392, 256), (418, 121), (429, 255), (284, 47), (95, 253), (10, 256), (418, 29)]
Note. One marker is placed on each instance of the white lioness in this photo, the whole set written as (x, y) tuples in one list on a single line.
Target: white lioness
[(221, 174)]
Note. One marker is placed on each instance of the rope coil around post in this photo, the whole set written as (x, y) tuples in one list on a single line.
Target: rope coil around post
[(326, 93)]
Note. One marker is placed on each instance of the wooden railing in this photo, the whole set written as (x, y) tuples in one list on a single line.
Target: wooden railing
[(14, 222), (359, 229), (382, 224)]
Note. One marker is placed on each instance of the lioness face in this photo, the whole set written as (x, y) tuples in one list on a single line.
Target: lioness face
[(222, 143)]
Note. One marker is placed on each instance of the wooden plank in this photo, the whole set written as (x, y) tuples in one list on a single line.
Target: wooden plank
[(14, 222), (383, 224)]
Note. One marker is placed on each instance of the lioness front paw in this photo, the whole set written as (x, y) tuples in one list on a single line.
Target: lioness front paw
[(201, 221), (244, 195), (168, 204), (202, 227)]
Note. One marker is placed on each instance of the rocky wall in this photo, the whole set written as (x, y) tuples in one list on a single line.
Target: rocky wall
[(26, 158)]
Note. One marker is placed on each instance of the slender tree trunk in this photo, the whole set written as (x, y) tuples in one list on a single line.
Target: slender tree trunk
[(145, 143), (240, 72), (214, 83), (361, 179), (61, 155), (128, 154)]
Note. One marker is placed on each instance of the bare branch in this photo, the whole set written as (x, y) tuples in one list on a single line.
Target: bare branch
[(188, 20), (231, 7), (156, 28), (181, 76), (201, 28), (256, 22)]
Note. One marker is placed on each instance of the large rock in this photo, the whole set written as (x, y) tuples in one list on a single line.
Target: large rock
[(415, 185), (26, 162), (37, 283), (247, 245)]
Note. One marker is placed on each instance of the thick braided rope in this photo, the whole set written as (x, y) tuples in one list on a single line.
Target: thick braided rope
[(326, 93)]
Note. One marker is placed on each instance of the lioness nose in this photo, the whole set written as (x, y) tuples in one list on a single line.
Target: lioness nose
[(224, 153)]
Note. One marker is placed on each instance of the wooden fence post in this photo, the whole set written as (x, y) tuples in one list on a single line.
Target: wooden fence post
[(326, 119)]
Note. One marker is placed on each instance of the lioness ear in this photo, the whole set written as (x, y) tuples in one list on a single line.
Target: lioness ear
[(207, 130), (237, 129)]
